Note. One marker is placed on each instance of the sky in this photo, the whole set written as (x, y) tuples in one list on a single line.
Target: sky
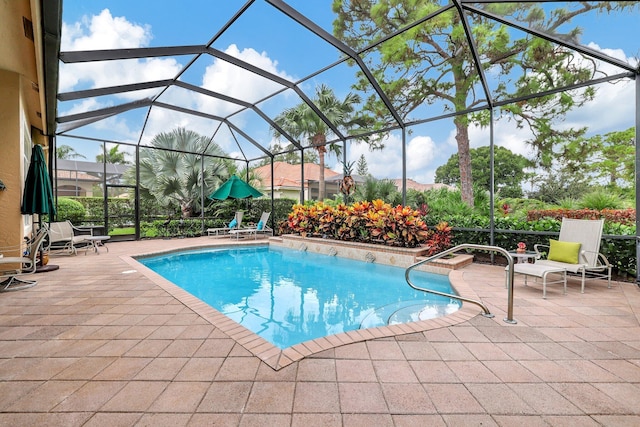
[(282, 50)]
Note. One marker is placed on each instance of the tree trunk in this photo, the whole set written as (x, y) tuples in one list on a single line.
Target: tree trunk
[(318, 142), (186, 209), (464, 161), (321, 188)]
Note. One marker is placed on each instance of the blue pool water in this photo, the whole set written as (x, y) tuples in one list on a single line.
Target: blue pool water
[(288, 297)]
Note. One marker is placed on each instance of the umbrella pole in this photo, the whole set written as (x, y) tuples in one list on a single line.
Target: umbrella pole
[(40, 267)]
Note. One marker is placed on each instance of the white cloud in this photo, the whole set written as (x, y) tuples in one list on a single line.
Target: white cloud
[(104, 31), (388, 162), (226, 78)]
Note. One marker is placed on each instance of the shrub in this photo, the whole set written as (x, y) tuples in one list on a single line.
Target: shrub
[(601, 199), (622, 216), (369, 222), (71, 210)]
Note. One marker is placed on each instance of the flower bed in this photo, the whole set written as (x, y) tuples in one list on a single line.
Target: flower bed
[(367, 222)]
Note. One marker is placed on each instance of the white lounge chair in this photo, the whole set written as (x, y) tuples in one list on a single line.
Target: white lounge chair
[(65, 238), (261, 227), (221, 231), (13, 266), (541, 271), (587, 234)]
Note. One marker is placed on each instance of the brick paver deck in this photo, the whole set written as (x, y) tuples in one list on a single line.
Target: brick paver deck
[(99, 343)]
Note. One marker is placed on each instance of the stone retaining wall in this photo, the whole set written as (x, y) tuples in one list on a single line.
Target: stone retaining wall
[(389, 255)]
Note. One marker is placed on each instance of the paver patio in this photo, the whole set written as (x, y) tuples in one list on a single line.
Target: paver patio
[(97, 343)]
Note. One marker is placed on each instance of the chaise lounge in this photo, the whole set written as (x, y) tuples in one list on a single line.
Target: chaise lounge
[(260, 228), (25, 264), (235, 224)]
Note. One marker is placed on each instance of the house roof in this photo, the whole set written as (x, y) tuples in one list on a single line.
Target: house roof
[(288, 175), (415, 185)]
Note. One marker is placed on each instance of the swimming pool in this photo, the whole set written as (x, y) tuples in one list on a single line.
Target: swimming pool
[(288, 297)]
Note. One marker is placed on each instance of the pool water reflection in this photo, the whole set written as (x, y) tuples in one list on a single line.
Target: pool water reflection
[(288, 297)]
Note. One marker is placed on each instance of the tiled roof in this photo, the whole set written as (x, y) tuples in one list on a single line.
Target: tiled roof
[(288, 175), (415, 185)]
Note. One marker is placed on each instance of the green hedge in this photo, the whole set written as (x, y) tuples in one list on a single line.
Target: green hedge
[(621, 253), (219, 215)]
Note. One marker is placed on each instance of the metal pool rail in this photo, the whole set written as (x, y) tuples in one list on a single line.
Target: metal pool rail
[(486, 312)]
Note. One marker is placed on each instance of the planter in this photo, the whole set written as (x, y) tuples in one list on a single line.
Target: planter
[(367, 252)]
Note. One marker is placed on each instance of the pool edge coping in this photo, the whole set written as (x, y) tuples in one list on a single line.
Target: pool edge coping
[(277, 358)]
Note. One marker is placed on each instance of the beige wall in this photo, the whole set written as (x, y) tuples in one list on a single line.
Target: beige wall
[(21, 108)]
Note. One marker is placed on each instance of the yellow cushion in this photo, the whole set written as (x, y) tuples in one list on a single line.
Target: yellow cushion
[(564, 251)]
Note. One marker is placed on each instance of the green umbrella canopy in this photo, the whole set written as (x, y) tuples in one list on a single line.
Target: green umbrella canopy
[(234, 188), (38, 194)]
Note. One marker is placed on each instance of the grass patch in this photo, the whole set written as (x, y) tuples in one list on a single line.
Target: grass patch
[(122, 231)]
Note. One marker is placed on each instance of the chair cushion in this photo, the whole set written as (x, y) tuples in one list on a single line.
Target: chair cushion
[(260, 225), (233, 223), (564, 251)]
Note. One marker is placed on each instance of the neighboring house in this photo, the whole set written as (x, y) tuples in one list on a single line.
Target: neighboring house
[(415, 185), (287, 181), (78, 178)]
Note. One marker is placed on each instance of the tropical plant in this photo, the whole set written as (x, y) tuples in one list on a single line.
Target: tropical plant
[(383, 189), (301, 122), (66, 152), (369, 222), (113, 155), (601, 199), (169, 173), (433, 63), (444, 203), (347, 185), (439, 239)]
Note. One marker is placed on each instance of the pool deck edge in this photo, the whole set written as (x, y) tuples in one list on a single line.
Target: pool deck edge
[(278, 358)]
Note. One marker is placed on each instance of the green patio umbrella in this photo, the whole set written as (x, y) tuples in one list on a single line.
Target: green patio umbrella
[(38, 193), (37, 197), (234, 188)]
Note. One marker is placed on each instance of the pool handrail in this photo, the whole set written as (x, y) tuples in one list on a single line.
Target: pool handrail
[(486, 312)]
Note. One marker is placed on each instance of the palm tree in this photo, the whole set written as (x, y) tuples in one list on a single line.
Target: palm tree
[(169, 174), (67, 152), (113, 156), (301, 121)]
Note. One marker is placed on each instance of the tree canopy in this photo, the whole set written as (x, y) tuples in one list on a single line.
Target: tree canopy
[(432, 63), (112, 155), (169, 174), (301, 122), (509, 170), (67, 152)]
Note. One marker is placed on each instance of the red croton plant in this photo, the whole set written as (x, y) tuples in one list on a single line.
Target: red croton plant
[(368, 222)]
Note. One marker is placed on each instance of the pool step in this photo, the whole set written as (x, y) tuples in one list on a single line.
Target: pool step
[(407, 311)]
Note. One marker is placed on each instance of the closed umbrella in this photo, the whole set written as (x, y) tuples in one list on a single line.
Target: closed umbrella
[(38, 194), (235, 188)]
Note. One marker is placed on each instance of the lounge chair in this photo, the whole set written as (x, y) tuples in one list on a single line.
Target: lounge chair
[(261, 227), (65, 238), (20, 265), (543, 272), (577, 250), (235, 224)]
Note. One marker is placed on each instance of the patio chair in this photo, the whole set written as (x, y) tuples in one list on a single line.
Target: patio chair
[(65, 238), (260, 228), (559, 275), (24, 264), (235, 224), (577, 250)]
